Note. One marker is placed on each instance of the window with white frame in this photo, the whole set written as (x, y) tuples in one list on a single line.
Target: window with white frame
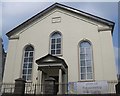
[(86, 61), (27, 63), (55, 46)]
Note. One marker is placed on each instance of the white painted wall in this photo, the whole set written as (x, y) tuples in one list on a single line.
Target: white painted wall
[(9, 70), (74, 29)]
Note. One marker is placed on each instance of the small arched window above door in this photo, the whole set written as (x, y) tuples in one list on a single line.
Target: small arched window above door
[(55, 43)]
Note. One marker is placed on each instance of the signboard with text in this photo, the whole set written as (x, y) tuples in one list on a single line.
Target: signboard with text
[(98, 87)]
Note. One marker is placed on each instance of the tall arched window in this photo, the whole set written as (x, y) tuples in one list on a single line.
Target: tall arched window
[(27, 63), (86, 61), (55, 46)]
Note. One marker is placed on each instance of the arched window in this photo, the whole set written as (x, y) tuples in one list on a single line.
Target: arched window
[(86, 63), (55, 46), (27, 62)]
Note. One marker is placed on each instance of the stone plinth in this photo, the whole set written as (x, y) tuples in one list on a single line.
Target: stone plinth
[(19, 86)]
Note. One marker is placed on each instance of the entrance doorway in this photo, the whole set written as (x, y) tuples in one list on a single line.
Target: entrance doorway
[(56, 83)]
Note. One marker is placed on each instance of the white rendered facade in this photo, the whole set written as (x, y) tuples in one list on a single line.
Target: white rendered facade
[(74, 28)]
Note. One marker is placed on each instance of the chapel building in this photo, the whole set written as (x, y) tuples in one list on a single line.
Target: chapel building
[(64, 43)]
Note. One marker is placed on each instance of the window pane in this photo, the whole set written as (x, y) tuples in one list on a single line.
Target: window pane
[(29, 48), (83, 70), (25, 59), (88, 51), (30, 59), (24, 71), (89, 76), (85, 44), (82, 51), (30, 65), (58, 45), (88, 63), (83, 76), (31, 54), (25, 65), (26, 54), (82, 56), (58, 40), (83, 63), (89, 69), (29, 71), (57, 51), (56, 35), (88, 57), (52, 51), (53, 40), (53, 46)]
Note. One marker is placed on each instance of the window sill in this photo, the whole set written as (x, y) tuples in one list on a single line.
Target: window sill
[(86, 80), (59, 55)]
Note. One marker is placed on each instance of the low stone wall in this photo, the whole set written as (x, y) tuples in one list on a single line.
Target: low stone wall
[(62, 95), (49, 88)]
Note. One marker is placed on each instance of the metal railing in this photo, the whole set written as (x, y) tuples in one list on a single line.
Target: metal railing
[(7, 87), (32, 88)]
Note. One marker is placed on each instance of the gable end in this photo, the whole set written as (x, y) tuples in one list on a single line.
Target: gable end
[(64, 7)]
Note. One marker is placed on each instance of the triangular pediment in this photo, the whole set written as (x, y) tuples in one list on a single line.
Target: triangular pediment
[(50, 59), (47, 58), (62, 7)]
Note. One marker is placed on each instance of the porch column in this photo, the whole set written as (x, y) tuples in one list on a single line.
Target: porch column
[(60, 81), (39, 85)]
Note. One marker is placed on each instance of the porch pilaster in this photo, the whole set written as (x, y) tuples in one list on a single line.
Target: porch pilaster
[(60, 81), (39, 83)]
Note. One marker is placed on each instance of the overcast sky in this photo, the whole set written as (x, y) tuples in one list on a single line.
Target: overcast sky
[(15, 13)]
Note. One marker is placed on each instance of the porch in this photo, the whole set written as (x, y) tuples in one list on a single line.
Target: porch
[(52, 66)]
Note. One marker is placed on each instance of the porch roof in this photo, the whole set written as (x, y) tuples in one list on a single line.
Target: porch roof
[(50, 59)]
